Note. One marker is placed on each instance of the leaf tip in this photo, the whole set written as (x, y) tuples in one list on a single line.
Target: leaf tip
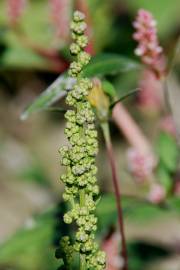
[(24, 116)]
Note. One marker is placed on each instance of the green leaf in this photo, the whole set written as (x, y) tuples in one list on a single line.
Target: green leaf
[(108, 88), (53, 93), (174, 204), (164, 178), (31, 248), (168, 151), (100, 65), (133, 209), (105, 64), (18, 57)]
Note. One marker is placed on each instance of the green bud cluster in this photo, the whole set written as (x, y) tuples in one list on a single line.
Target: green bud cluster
[(81, 190)]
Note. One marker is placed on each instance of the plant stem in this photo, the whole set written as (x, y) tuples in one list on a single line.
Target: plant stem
[(107, 137), (82, 262), (82, 258)]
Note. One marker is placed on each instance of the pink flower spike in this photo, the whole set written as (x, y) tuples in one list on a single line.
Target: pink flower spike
[(15, 9), (146, 36), (60, 14)]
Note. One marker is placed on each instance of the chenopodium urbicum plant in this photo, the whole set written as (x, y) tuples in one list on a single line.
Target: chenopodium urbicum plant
[(81, 190)]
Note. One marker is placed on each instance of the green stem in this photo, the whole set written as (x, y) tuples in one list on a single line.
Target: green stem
[(82, 262), (82, 258), (107, 137)]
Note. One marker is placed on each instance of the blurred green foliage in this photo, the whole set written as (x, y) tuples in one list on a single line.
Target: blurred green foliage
[(33, 246)]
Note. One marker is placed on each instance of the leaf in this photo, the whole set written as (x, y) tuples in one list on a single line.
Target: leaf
[(168, 151), (174, 204), (101, 65), (18, 57), (164, 178), (108, 88), (53, 93), (105, 64), (133, 209), (143, 252), (31, 247)]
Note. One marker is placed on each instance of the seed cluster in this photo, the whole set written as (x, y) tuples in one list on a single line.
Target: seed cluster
[(81, 189)]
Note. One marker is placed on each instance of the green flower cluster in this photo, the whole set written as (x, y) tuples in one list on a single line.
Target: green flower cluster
[(80, 180)]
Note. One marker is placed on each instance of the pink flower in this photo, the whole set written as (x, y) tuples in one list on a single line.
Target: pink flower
[(157, 194), (15, 9), (148, 46), (140, 165), (60, 13)]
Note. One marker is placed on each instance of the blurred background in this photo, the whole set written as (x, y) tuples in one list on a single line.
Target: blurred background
[(34, 40)]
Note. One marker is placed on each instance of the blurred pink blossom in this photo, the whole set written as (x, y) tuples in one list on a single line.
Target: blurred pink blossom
[(113, 259), (140, 165), (148, 46), (15, 9), (60, 13), (167, 125), (157, 193), (151, 95)]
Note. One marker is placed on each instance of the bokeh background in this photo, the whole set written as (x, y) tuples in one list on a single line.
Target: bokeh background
[(33, 52)]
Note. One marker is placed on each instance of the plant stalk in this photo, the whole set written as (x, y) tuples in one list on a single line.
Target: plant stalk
[(82, 262), (107, 137), (82, 258)]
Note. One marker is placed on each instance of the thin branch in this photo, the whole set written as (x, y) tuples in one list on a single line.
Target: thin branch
[(106, 132)]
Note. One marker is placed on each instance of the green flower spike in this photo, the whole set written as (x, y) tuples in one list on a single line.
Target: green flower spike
[(79, 158)]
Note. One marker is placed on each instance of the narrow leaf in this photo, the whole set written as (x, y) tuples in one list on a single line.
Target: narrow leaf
[(165, 178), (55, 92), (168, 151), (109, 88)]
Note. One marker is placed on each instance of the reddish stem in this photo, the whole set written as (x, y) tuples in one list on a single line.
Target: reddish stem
[(106, 132)]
